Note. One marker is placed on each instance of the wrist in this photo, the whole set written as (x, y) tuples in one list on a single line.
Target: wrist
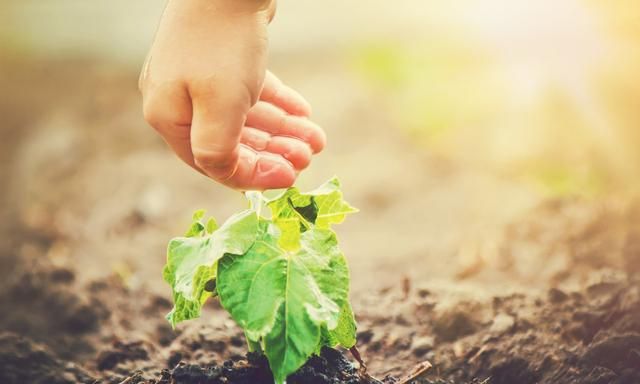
[(229, 7), (248, 6)]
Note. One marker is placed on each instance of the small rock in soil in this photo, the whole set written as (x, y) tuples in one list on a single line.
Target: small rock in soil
[(422, 345), (502, 323)]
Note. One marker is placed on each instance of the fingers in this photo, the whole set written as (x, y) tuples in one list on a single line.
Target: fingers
[(271, 119), (212, 128), (261, 171), (219, 111), (275, 92), (295, 151)]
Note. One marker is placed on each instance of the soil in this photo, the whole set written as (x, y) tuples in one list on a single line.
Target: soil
[(548, 294), (55, 336)]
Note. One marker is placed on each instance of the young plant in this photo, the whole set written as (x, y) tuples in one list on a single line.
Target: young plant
[(282, 278)]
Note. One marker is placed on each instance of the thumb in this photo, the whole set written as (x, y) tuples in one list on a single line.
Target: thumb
[(219, 113)]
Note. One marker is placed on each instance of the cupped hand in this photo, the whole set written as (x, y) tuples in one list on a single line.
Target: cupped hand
[(206, 91)]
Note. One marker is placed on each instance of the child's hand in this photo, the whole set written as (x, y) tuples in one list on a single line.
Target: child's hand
[(205, 90)]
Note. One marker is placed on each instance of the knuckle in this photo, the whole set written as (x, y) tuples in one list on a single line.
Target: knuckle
[(174, 121), (286, 122), (152, 114), (257, 139), (166, 127), (165, 103)]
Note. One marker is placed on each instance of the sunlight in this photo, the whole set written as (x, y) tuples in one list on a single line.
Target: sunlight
[(539, 42)]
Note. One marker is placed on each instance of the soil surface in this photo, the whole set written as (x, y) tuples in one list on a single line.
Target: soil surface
[(481, 277)]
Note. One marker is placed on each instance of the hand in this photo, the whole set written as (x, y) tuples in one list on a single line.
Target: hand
[(206, 91)]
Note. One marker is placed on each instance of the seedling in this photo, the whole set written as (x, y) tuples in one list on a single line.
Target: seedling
[(282, 277)]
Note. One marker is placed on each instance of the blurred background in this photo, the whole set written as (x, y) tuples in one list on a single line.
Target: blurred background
[(450, 124)]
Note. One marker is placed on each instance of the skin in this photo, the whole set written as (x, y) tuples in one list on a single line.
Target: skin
[(207, 92)]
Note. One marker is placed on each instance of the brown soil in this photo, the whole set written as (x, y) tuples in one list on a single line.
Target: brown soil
[(59, 333), (549, 294)]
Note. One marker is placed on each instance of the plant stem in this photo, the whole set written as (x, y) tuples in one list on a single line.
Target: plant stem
[(253, 346)]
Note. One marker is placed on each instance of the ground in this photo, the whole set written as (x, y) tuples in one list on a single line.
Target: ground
[(484, 277)]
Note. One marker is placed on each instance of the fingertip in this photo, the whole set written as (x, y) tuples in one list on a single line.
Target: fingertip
[(299, 157), (322, 141), (272, 173), (298, 153), (260, 171), (313, 134)]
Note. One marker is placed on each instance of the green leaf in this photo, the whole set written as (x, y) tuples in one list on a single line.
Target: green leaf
[(286, 298), (192, 262), (319, 208), (345, 332), (198, 215), (197, 228), (282, 277), (212, 225)]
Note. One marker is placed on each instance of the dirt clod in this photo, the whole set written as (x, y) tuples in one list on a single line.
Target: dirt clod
[(454, 324), (121, 352), (330, 367), (618, 353), (23, 361)]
